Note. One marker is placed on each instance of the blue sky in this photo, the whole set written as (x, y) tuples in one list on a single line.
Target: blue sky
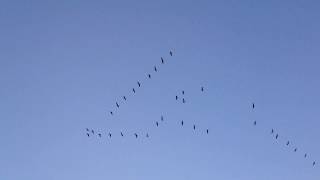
[(64, 64)]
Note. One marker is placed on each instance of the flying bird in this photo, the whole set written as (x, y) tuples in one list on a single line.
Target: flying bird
[(183, 100), (136, 135), (252, 105), (138, 83), (117, 105), (176, 97), (255, 123), (171, 53), (157, 123), (110, 135), (207, 131), (314, 163), (87, 129), (295, 150), (161, 118), (99, 135), (181, 123), (305, 155), (155, 68), (147, 135), (183, 92), (124, 97), (162, 61), (149, 76), (277, 136), (134, 91), (88, 134), (121, 134), (272, 131), (194, 127), (92, 131), (288, 143), (111, 112), (202, 88)]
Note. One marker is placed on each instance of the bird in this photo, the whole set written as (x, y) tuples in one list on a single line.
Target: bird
[(182, 92), (117, 105), (121, 134), (92, 131), (305, 155), (202, 88), (161, 118), (272, 131), (110, 135), (171, 53), (99, 135), (288, 143), (155, 68), (183, 100), (124, 97), (136, 135), (88, 134), (207, 131), (181, 123), (277, 136), (139, 84), (255, 123), (147, 135), (111, 112), (87, 129), (194, 127), (295, 150), (252, 105), (162, 61), (314, 163), (157, 123), (176, 97), (149, 76), (134, 91)]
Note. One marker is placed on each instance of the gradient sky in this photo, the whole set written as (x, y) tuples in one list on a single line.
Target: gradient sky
[(63, 64)]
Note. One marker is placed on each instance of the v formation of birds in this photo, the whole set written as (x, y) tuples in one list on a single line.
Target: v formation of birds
[(91, 132)]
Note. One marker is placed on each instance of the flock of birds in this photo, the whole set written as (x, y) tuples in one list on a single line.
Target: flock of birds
[(91, 132)]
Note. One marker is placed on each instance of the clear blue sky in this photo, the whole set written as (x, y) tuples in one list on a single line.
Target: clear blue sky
[(63, 64)]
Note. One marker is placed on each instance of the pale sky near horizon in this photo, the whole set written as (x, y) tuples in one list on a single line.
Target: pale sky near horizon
[(64, 64)]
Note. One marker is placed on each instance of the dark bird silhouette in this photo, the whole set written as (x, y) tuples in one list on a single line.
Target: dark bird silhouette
[(272, 131), (134, 91), (99, 135), (111, 112), (288, 143), (207, 131), (147, 135), (155, 68), (157, 123), (88, 134), (109, 135), (139, 84), (161, 118), (314, 163), (295, 150), (277, 136), (202, 88), (183, 92), (149, 76), (124, 97), (87, 129), (255, 123), (252, 105), (162, 61), (136, 135), (117, 105), (176, 97), (121, 134), (92, 131), (171, 53), (305, 155), (181, 123), (183, 100), (194, 127)]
